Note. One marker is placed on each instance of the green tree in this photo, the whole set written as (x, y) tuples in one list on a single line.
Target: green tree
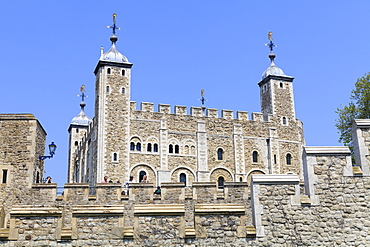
[(358, 108)]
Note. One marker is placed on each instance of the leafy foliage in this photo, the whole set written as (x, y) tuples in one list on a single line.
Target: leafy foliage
[(358, 108)]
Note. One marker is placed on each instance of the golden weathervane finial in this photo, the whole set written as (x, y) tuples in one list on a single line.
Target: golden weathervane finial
[(269, 36), (114, 26), (271, 44)]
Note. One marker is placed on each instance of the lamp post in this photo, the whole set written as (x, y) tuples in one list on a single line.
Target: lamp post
[(52, 148)]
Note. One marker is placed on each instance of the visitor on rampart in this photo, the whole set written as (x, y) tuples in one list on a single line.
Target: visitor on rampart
[(145, 179), (48, 180), (158, 191), (128, 182), (105, 180)]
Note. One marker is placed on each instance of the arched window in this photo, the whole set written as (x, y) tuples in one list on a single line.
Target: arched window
[(176, 149), (281, 85), (132, 146), (192, 150), (76, 130), (288, 159), (141, 175), (284, 120), (220, 182), (123, 72), (155, 147), (107, 89), (170, 148), (37, 178), (115, 157), (138, 146), (220, 154), (240, 179), (183, 178), (108, 71), (76, 143), (149, 147), (186, 149), (123, 90), (255, 156)]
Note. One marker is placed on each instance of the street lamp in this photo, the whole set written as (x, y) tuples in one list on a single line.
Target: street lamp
[(52, 148)]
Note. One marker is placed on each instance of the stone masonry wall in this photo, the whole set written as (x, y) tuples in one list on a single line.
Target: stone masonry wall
[(271, 212)]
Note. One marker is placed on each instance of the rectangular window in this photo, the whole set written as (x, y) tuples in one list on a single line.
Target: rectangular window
[(5, 175)]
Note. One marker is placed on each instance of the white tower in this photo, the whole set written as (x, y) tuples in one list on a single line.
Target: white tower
[(112, 113)]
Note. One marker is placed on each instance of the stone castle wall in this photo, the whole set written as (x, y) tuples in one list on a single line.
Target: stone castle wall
[(272, 211)]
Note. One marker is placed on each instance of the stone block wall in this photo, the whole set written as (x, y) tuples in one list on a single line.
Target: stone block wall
[(334, 210)]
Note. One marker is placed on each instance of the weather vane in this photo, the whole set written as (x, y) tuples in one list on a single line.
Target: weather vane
[(114, 27), (270, 45), (203, 100), (82, 95)]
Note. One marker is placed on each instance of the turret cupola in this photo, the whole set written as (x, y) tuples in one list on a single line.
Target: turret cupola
[(113, 55), (82, 119), (273, 69)]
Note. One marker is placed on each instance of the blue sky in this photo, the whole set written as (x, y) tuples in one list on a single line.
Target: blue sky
[(50, 48)]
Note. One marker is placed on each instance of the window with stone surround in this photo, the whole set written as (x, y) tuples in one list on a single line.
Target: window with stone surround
[(284, 121), (192, 150), (183, 178), (149, 147), (220, 154), (177, 149), (138, 146), (155, 148), (4, 176), (108, 71), (288, 159), (123, 90), (186, 149), (220, 182), (123, 72), (255, 156), (107, 89), (135, 144), (76, 143), (170, 148), (114, 157), (281, 85), (275, 159)]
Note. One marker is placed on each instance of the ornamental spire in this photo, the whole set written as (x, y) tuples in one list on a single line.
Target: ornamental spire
[(114, 27), (83, 96)]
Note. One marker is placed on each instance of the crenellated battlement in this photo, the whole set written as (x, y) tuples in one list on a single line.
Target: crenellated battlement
[(198, 112)]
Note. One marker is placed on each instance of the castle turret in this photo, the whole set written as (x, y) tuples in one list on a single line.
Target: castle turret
[(276, 92), (112, 111), (77, 129)]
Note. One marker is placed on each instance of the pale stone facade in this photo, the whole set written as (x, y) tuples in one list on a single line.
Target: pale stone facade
[(332, 210), (173, 146)]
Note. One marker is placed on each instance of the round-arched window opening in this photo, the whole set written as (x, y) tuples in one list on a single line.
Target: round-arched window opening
[(183, 178), (220, 182)]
